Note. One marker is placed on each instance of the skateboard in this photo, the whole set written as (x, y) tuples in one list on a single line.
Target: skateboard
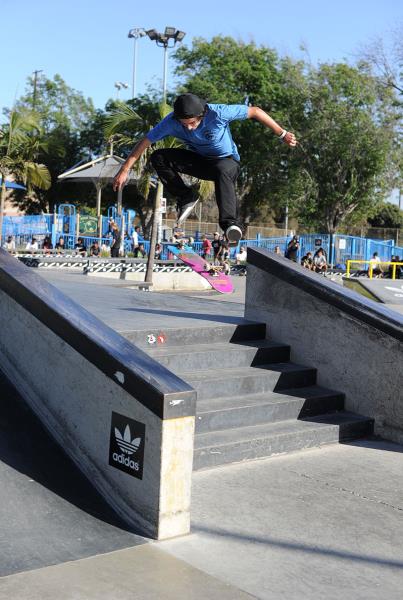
[(219, 281)]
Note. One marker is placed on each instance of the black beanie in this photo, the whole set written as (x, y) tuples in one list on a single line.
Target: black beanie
[(187, 106)]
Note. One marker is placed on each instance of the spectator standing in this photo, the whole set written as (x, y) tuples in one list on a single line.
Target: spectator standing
[(225, 250), (116, 240), (292, 249), (136, 238), (206, 247), (158, 252), (9, 245), (216, 244)]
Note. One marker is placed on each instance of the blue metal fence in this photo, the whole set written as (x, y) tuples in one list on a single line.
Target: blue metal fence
[(27, 225), (339, 248)]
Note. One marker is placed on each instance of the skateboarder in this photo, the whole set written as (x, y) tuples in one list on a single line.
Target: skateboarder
[(211, 155)]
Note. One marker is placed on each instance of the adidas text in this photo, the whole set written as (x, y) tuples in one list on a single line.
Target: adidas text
[(125, 460)]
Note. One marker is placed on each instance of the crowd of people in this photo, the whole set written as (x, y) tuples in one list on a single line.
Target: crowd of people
[(376, 270), (316, 262), (215, 250)]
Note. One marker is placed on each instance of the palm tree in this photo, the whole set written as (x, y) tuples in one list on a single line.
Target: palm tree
[(19, 144)]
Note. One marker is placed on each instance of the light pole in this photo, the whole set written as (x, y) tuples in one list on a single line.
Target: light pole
[(135, 33), (119, 85), (173, 35), (36, 73), (162, 40)]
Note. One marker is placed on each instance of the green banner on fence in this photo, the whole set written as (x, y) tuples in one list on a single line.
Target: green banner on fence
[(88, 225)]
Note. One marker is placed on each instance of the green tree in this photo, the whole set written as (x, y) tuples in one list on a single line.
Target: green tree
[(19, 144), (57, 103), (224, 70), (345, 119), (68, 127), (387, 215), (347, 142)]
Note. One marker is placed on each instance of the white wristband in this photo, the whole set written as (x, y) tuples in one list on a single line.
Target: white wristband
[(282, 136)]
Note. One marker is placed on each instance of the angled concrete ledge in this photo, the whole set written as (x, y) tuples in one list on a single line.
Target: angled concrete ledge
[(127, 421), (346, 300), (355, 343)]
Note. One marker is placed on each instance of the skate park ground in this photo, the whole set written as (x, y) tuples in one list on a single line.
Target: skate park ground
[(387, 291), (324, 523)]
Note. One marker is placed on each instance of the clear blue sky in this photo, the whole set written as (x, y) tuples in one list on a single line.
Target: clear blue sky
[(85, 41)]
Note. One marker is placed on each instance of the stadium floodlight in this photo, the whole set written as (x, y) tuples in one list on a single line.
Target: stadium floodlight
[(179, 35), (152, 34), (170, 32)]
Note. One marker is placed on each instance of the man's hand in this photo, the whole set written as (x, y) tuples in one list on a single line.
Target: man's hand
[(120, 179), (290, 139)]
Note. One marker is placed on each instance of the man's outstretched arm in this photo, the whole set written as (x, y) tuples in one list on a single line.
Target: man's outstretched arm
[(134, 155), (254, 112)]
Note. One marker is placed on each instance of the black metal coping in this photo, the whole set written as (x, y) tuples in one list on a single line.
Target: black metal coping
[(365, 310), (145, 379)]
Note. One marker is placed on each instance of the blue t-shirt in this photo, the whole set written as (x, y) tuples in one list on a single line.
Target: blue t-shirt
[(212, 137)]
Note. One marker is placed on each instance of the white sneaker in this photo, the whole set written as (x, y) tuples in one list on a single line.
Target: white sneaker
[(185, 210), (233, 234)]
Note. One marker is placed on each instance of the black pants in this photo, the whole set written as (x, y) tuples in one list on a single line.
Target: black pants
[(223, 171)]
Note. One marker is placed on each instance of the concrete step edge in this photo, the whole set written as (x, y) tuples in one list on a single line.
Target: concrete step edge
[(250, 433), (209, 405), (240, 372), (217, 347)]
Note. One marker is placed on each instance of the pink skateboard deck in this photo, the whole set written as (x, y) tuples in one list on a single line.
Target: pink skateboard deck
[(220, 282)]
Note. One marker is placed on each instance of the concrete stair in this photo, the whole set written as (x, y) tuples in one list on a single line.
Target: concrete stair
[(252, 401)]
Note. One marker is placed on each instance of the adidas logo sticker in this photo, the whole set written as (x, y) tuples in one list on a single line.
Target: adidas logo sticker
[(126, 446), (125, 442)]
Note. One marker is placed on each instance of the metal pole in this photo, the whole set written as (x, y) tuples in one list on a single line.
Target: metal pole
[(2, 203), (154, 233), (134, 67), (286, 220), (35, 86), (119, 203), (164, 81), (99, 194)]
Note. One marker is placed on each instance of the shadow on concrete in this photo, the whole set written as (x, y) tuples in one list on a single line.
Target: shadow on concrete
[(375, 443), (187, 315), (298, 547), (26, 446)]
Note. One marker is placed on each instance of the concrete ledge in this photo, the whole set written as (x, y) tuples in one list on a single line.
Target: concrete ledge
[(167, 275), (127, 422), (353, 342), (348, 301)]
